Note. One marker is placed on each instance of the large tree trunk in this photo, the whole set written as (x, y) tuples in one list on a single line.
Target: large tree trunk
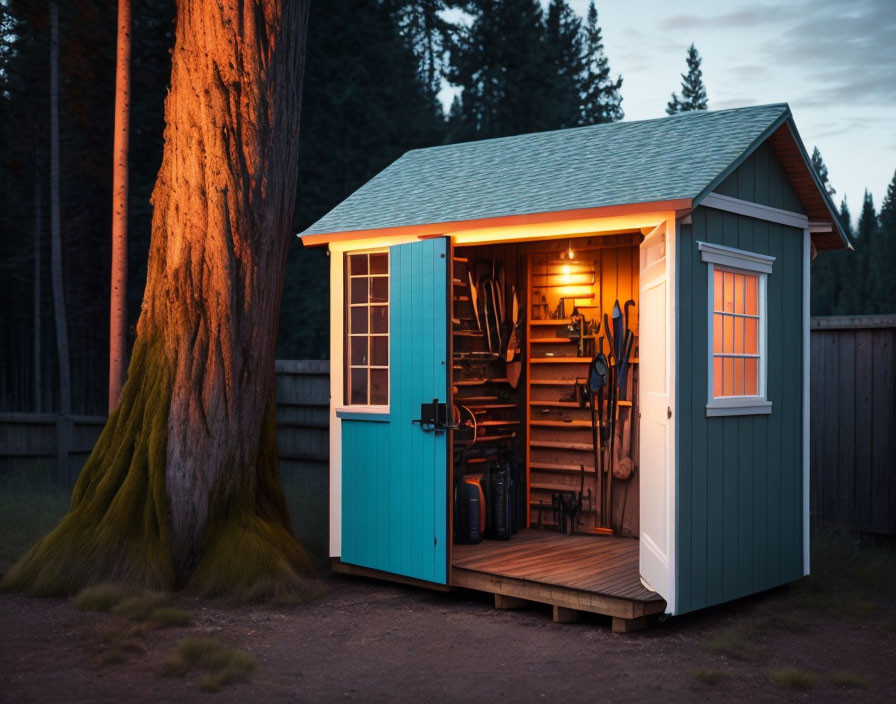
[(56, 276), (118, 304), (35, 310), (183, 485)]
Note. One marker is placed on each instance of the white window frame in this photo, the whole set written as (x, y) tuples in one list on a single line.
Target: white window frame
[(737, 261), (363, 410)]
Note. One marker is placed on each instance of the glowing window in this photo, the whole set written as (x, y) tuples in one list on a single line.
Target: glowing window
[(737, 307), (367, 329)]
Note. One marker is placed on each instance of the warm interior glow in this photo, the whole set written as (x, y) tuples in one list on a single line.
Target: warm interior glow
[(735, 331)]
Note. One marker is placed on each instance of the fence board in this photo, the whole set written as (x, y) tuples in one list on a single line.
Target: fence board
[(853, 422), (28, 445)]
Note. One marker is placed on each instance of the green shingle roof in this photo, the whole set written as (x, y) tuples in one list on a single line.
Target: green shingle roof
[(584, 167)]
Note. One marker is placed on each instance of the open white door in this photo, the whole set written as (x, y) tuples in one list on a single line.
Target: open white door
[(656, 346)]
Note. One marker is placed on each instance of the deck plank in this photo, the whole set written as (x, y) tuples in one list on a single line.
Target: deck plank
[(604, 565)]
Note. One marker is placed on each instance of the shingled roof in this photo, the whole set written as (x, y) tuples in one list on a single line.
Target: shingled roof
[(673, 158)]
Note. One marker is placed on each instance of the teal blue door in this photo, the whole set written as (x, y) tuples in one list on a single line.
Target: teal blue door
[(394, 472)]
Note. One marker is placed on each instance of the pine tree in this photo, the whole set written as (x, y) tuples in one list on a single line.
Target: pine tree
[(883, 261), (563, 46), (855, 288), (825, 282), (426, 32), (501, 63), (601, 99), (822, 170), (693, 92)]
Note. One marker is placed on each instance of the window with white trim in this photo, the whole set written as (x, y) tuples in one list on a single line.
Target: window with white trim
[(367, 329), (738, 361)]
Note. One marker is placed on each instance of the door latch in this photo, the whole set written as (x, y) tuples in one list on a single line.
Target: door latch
[(434, 417)]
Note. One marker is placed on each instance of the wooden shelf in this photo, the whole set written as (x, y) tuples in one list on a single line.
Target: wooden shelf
[(558, 340), (466, 333), (496, 423), (479, 382), (550, 445), (462, 260), (556, 404), (495, 438), (559, 321), (570, 424), (473, 399), (458, 282), (560, 360), (486, 406), (551, 382), (550, 467), (461, 298)]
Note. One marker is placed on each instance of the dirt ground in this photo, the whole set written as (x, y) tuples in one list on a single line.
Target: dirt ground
[(369, 641)]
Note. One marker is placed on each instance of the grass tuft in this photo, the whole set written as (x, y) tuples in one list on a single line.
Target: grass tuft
[(709, 677), (101, 597), (165, 616), (223, 664), (849, 680), (110, 657), (792, 678), (139, 608), (738, 642)]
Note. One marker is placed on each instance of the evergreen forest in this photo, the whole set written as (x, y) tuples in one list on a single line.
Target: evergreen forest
[(374, 71)]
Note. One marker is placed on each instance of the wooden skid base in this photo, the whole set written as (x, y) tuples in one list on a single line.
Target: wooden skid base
[(565, 601)]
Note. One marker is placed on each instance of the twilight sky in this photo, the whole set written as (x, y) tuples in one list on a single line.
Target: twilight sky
[(833, 61)]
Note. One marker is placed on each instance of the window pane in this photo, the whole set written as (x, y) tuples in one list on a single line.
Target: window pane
[(358, 386), (716, 333), (379, 289), (739, 282), (359, 290), (379, 351), (717, 289), (739, 376), (727, 376), (358, 351), (737, 335), (728, 292), (379, 263), (752, 377), (752, 295), (357, 264), (717, 376), (379, 387), (727, 334), (358, 320), (379, 319), (751, 336)]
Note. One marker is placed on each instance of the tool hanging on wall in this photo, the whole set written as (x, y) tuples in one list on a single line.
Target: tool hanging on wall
[(474, 299), (597, 379)]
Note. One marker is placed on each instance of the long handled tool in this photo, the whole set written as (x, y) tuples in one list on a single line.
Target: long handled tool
[(474, 299), (597, 379)]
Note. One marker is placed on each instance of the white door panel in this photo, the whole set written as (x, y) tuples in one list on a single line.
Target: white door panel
[(655, 399)]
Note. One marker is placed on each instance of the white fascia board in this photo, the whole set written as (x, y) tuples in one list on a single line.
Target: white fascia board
[(736, 258), (755, 210)]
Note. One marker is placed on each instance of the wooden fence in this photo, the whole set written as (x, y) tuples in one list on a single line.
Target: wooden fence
[(853, 422), (28, 445)]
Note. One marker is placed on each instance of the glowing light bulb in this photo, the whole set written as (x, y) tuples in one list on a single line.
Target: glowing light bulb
[(571, 254), (566, 271)]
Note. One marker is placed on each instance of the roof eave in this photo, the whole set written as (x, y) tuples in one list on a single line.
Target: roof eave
[(441, 228)]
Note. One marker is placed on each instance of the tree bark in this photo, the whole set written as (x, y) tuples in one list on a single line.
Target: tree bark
[(183, 486), (35, 312), (118, 308)]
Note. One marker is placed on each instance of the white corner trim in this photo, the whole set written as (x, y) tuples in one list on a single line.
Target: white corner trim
[(807, 257), (738, 406), (737, 258), (755, 210)]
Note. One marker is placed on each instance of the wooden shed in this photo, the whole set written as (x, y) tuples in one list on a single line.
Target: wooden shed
[(572, 367)]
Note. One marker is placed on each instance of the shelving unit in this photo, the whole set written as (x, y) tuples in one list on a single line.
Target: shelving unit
[(558, 429)]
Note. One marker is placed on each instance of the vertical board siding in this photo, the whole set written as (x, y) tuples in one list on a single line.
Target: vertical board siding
[(762, 179), (394, 475), (853, 428), (739, 477)]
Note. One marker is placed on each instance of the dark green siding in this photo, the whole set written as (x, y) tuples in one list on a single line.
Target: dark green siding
[(739, 478), (761, 179)]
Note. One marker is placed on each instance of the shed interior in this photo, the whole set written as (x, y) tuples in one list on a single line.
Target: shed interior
[(528, 320)]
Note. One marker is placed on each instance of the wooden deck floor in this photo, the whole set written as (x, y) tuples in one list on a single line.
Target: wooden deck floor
[(584, 572)]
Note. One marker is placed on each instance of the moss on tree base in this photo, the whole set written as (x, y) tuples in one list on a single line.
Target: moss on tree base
[(117, 529)]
